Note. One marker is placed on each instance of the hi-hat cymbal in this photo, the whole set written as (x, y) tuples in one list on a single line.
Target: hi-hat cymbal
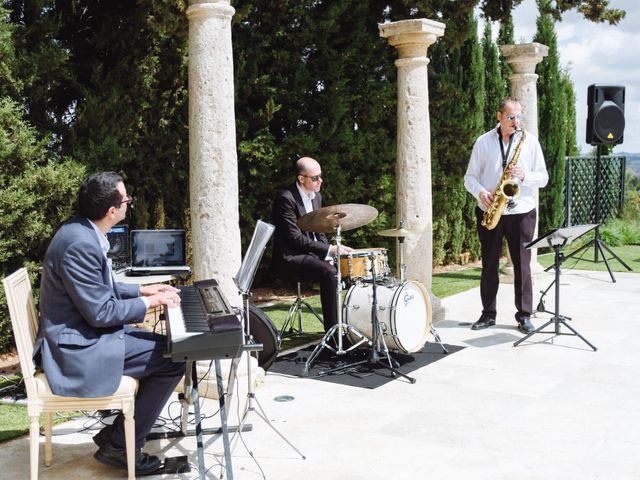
[(397, 232), (327, 219)]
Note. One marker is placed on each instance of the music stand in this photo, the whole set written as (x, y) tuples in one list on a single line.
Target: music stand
[(557, 239), (243, 280)]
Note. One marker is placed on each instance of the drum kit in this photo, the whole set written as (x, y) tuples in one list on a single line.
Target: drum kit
[(379, 310)]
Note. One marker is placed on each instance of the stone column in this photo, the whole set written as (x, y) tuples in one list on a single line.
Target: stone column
[(412, 38), (213, 161), (522, 59)]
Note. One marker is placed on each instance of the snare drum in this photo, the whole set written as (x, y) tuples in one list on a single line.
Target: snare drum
[(404, 310), (356, 266)]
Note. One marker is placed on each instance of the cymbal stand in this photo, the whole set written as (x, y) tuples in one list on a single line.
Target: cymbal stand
[(378, 343), (340, 328), (252, 400), (403, 269)]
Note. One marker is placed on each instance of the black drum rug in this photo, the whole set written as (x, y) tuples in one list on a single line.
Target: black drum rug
[(363, 376)]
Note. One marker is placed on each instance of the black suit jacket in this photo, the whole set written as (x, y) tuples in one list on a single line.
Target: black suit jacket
[(289, 240)]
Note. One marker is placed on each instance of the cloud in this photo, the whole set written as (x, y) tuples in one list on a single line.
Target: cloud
[(596, 53)]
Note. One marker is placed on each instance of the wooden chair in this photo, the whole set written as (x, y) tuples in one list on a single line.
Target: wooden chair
[(40, 399)]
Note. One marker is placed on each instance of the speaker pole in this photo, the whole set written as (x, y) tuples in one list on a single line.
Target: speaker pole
[(597, 220), (596, 242)]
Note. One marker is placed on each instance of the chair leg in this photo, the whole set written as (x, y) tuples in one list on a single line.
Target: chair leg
[(130, 442), (48, 426), (34, 445)]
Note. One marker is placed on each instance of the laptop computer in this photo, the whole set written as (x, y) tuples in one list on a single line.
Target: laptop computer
[(158, 252)]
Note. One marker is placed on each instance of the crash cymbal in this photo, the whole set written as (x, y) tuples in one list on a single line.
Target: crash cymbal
[(347, 215), (397, 232)]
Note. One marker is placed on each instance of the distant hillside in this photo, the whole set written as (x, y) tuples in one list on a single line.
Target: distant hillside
[(633, 162)]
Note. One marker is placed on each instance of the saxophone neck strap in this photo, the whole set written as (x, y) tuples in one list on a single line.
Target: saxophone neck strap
[(505, 156)]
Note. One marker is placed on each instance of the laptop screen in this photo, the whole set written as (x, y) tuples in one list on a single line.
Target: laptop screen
[(158, 248)]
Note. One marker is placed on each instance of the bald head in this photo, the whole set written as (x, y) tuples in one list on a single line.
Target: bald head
[(306, 164), (308, 174)]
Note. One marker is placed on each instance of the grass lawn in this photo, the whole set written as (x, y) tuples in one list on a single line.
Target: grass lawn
[(629, 254), (14, 421)]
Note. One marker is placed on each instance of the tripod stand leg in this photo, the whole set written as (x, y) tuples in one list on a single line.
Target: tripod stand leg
[(289, 320), (537, 330), (615, 256), (260, 412), (598, 247), (196, 405), (602, 246), (578, 335), (339, 330), (313, 312), (391, 367), (294, 315), (316, 351), (223, 421), (574, 253), (438, 339)]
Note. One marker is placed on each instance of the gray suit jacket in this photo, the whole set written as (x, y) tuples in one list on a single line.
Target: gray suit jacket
[(80, 342)]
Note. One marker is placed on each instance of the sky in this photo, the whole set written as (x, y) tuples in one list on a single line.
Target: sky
[(595, 53)]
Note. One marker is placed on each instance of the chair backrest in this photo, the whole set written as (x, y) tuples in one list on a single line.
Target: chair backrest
[(24, 320)]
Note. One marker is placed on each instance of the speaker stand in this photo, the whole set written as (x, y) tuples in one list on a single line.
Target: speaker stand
[(597, 243)]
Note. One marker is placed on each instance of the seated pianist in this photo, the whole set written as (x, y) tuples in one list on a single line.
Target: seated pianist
[(84, 343), (300, 255)]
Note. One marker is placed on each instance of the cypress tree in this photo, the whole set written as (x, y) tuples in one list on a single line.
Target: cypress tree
[(552, 110), (494, 81), (505, 37), (569, 95), (321, 83), (36, 190), (457, 106)]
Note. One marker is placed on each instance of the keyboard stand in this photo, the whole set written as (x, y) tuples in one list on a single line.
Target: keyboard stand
[(191, 395)]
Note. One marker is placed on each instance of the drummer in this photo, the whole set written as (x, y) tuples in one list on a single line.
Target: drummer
[(300, 255)]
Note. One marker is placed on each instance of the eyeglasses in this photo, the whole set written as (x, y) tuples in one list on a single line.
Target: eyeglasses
[(314, 178), (128, 200), (513, 117)]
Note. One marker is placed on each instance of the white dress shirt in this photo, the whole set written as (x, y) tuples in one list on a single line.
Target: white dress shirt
[(485, 169), (104, 245)]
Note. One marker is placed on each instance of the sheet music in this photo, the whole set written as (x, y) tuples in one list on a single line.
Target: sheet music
[(261, 235)]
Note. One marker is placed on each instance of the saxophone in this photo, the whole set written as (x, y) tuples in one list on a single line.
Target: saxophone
[(505, 193)]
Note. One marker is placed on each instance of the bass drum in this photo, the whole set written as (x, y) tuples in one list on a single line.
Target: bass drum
[(404, 310), (263, 331)]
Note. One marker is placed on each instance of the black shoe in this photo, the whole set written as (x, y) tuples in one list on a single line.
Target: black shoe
[(103, 437), (483, 322), (117, 457), (525, 325)]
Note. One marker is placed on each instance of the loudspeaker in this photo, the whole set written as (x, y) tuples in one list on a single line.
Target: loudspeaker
[(605, 116), (118, 252)]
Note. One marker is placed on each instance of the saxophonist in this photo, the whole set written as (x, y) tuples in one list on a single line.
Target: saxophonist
[(506, 154)]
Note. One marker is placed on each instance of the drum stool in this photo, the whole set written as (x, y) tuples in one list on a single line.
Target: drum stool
[(294, 315)]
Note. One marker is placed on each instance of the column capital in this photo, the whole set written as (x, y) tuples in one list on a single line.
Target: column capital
[(411, 37), (223, 2), (210, 8), (523, 57)]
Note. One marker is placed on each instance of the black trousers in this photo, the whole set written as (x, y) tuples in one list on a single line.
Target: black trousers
[(157, 379), (310, 267), (517, 229)]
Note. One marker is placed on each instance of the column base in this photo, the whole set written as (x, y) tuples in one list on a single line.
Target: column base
[(437, 309)]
